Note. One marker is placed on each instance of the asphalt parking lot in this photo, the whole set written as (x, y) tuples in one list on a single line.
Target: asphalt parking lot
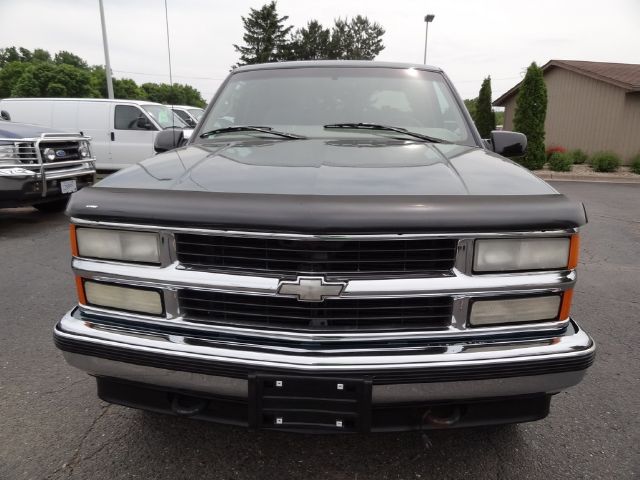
[(52, 425)]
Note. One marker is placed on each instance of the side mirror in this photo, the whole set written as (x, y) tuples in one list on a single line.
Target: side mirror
[(508, 144), (5, 115), (168, 140)]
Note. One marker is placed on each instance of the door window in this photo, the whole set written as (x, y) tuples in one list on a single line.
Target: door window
[(128, 117)]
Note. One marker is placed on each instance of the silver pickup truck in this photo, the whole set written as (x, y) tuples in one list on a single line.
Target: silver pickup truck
[(42, 167), (334, 250)]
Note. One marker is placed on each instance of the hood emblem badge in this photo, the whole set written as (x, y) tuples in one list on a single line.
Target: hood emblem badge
[(311, 289)]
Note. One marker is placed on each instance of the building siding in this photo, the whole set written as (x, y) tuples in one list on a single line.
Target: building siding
[(588, 114)]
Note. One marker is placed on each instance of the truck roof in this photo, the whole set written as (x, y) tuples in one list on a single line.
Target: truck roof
[(334, 64)]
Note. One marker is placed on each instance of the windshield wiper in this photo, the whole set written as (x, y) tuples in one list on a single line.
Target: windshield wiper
[(387, 128), (250, 128)]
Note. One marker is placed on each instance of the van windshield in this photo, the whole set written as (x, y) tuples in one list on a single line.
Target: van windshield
[(303, 100), (196, 112), (164, 116)]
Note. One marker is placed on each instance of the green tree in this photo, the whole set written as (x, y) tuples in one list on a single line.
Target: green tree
[(8, 55), (471, 104), (68, 58), (26, 86), (358, 39), (127, 88), (178, 94), (265, 36), (312, 42), (41, 55), (484, 117), (10, 73), (531, 110), (56, 90), (25, 54)]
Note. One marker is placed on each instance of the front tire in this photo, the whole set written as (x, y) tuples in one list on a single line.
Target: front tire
[(52, 207)]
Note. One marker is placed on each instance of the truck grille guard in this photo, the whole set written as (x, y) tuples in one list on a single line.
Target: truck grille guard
[(29, 161)]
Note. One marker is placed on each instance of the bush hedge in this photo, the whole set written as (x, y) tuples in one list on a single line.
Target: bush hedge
[(635, 164), (560, 162), (605, 162), (579, 157)]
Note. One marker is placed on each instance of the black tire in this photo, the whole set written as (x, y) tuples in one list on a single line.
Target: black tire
[(52, 207)]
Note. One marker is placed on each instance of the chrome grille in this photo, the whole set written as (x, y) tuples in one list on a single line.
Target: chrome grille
[(327, 257), (370, 314)]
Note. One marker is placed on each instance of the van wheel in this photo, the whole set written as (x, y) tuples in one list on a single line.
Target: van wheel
[(52, 207)]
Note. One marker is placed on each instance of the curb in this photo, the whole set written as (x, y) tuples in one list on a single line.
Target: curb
[(568, 177)]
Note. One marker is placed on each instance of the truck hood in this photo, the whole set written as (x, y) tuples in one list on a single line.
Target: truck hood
[(329, 186), (332, 167), (23, 130)]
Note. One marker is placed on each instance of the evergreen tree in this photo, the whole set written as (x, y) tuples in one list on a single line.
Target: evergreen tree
[(265, 36), (310, 43), (358, 39), (484, 117), (531, 110)]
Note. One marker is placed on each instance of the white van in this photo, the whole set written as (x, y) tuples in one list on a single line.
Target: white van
[(122, 131), (189, 115)]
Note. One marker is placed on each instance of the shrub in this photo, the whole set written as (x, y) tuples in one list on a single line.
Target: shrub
[(635, 164), (551, 150), (560, 162), (605, 162), (579, 157)]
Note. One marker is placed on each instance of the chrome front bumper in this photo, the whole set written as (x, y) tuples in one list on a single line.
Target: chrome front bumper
[(449, 369)]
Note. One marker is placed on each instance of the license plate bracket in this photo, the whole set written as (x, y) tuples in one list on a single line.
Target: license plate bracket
[(310, 403), (68, 186)]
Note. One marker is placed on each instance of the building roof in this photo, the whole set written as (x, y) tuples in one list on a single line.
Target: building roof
[(623, 75)]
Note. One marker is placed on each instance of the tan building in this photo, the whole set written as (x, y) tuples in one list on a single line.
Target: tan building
[(593, 106)]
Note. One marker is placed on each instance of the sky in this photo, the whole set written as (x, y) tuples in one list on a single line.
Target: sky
[(468, 39)]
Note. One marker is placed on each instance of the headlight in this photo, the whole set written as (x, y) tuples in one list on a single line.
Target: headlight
[(119, 245), (49, 154), (518, 254), (83, 150), (8, 153), (140, 300), (515, 310)]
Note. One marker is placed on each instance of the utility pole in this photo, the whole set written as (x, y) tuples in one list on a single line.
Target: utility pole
[(106, 52), (427, 20)]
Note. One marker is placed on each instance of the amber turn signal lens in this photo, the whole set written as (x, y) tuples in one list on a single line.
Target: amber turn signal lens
[(73, 239), (565, 307), (80, 290), (574, 251)]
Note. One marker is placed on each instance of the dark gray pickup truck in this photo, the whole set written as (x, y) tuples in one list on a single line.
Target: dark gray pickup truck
[(42, 167), (334, 250)]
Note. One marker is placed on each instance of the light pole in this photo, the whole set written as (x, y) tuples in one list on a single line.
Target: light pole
[(106, 52), (427, 20)]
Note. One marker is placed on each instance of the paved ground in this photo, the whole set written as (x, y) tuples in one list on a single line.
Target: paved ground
[(53, 426)]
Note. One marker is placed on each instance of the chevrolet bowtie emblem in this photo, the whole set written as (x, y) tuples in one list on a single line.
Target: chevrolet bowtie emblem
[(311, 289)]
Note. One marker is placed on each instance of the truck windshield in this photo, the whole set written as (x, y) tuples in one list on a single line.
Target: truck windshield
[(164, 116), (303, 100)]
